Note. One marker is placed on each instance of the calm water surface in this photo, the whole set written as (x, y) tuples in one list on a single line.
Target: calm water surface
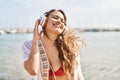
[(100, 60)]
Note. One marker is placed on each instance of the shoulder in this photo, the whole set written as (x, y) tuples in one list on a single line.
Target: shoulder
[(28, 42), (27, 45), (26, 48)]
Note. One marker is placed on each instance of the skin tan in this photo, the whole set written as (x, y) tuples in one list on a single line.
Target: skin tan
[(54, 27)]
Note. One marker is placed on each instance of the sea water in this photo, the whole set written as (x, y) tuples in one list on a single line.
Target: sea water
[(99, 60)]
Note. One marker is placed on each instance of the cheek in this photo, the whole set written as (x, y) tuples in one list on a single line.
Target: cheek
[(49, 23)]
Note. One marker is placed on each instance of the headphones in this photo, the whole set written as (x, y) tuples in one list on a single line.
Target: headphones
[(65, 30), (42, 20)]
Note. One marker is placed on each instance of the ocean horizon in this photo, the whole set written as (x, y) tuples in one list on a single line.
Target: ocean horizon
[(30, 30)]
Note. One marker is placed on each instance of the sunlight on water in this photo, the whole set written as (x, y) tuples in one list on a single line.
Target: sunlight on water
[(99, 60)]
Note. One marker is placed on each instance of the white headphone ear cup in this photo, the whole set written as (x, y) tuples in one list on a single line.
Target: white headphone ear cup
[(65, 30), (42, 20)]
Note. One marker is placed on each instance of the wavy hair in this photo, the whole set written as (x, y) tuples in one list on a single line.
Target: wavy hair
[(68, 48)]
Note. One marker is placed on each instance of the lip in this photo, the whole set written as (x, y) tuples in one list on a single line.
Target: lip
[(57, 25)]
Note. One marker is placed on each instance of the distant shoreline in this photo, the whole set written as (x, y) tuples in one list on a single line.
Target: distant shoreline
[(14, 31)]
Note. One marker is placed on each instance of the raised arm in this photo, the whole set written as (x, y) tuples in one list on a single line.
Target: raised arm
[(31, 65)]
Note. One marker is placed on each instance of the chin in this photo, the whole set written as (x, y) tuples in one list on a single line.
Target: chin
[(57, 32)]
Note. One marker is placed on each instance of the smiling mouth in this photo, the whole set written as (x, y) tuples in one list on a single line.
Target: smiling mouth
[(56, 25)]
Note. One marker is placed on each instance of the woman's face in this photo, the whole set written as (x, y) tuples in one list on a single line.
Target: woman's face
[(55, 23)]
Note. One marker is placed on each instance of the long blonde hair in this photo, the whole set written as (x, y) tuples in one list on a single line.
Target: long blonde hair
[(68, 48)]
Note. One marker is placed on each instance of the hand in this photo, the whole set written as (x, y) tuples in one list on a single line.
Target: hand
[(37, 33)]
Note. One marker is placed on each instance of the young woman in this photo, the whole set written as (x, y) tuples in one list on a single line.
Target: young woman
[(53, 54)]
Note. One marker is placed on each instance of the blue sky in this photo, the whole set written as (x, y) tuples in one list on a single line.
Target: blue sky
[(80, 13)]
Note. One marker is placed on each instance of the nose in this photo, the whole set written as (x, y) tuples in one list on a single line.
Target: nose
[(59, 21)]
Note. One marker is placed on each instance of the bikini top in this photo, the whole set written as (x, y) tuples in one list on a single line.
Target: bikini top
[(59, 72)]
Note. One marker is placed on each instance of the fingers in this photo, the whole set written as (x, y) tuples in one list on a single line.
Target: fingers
[(37, 32), (37, 22)]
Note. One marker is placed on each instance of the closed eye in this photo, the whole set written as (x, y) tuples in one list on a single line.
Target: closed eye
[(57, 17)]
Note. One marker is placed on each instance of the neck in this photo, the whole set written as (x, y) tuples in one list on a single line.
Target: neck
[(49, 40)]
